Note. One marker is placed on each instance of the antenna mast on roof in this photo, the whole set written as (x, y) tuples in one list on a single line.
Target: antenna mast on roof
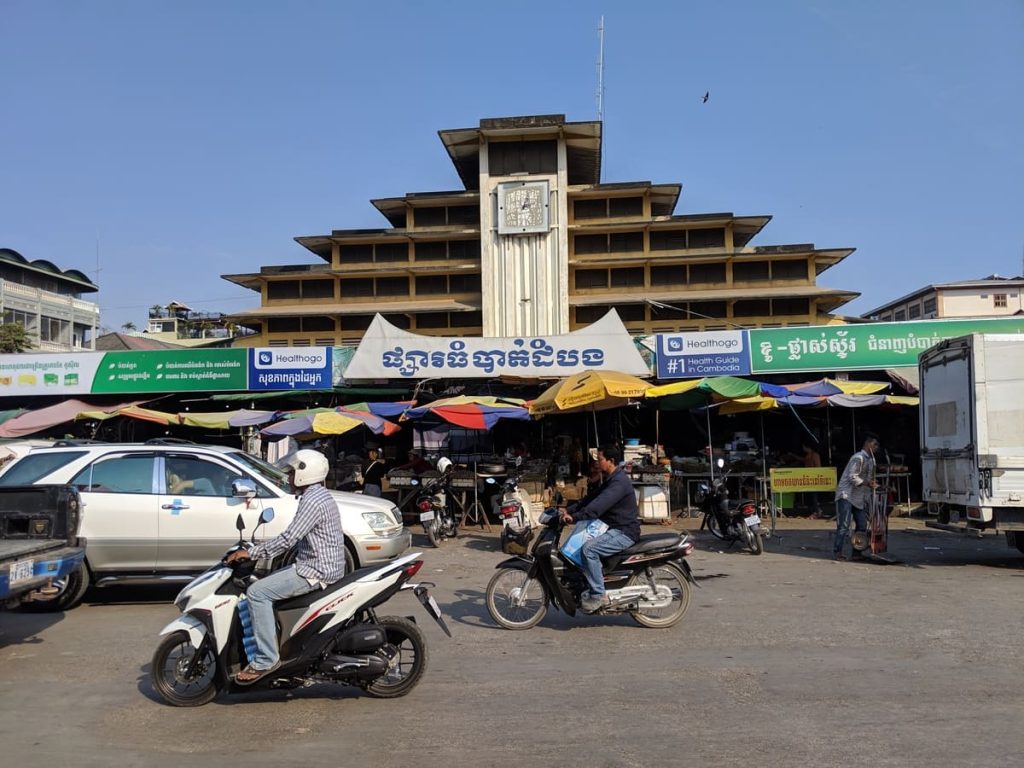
[(600, 70)]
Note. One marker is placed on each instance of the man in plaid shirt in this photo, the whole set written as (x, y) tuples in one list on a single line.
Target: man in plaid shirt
[(319, 560), (853, 492)]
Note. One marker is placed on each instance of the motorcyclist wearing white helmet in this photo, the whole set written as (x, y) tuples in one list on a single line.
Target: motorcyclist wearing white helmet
[(320, 558)]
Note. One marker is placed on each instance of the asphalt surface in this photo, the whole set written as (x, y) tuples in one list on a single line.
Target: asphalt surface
[(788, 659)]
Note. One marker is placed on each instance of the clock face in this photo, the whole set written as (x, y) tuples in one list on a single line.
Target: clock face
[(523, 207)]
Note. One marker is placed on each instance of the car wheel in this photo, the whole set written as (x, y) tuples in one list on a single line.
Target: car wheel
[(70, 590)]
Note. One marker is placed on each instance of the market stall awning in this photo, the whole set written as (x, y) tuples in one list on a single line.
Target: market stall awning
[(589, 390), (693, 393), (44, 418), (385, 409), (328, 421), (469, 412), (251, 418), (131, 412), (827, 387)]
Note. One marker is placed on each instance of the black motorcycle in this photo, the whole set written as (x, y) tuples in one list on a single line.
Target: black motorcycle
[(731, 521), (434, 504), (650, 580)]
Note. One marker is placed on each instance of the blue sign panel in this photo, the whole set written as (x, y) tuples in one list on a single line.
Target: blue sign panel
[(290, 368), (712, 353)]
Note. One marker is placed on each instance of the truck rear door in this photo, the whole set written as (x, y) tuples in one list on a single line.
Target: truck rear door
[(948, 465)]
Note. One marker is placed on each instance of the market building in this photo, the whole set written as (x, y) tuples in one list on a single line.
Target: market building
[(535, 244), (992, 296), (48, 302)]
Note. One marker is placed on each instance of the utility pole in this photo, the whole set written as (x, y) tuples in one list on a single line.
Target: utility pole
[(600, 69)]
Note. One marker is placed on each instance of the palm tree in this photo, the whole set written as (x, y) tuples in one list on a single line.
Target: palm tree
[(157, 310), (129, 326)]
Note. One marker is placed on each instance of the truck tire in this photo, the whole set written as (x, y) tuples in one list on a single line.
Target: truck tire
[(71, 590), (1015, 539)]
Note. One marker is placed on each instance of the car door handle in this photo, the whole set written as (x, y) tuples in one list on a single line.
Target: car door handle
[(174, 506)]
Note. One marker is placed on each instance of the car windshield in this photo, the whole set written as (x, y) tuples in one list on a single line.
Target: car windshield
[(265, 471)]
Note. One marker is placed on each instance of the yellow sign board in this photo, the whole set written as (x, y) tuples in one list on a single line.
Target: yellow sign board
[(803, 479)]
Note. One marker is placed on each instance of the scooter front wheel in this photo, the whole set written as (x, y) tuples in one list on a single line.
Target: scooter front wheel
[(179, 677), (514, 600)]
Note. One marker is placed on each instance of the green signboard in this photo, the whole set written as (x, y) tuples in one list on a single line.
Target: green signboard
[(860, 347), (187, 370)]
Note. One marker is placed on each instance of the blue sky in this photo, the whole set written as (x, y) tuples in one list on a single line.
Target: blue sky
[(193, 139)]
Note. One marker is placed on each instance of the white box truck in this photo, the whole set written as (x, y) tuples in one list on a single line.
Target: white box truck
[(972, 434)]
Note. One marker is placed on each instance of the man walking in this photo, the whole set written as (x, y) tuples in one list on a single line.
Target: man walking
[(853, 494)]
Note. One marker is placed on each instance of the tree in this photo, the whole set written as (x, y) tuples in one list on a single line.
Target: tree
[(129, 326), (157, 310), (14, 338)]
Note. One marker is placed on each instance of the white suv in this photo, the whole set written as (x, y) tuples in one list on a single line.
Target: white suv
[(160, 511)]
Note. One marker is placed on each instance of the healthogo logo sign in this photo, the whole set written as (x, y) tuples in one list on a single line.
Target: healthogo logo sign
[(290, 368), (314, 357), (713, 353)]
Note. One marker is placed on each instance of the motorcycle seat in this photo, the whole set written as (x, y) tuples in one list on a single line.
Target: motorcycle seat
[(653, 542), (307, 599)]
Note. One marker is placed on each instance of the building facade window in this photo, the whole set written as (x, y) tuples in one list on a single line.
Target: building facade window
[(899, 314), (930, 306), (999, 300), (914, 311)]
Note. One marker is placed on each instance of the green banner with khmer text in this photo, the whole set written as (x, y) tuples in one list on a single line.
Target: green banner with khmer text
[(862, 346)]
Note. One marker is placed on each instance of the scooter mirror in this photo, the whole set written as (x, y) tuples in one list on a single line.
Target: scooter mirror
[(266, 515), (519, 461), (720, 463), (239, 524)]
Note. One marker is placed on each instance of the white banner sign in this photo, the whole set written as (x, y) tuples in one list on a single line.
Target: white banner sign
[(48, 374), (387, 352)]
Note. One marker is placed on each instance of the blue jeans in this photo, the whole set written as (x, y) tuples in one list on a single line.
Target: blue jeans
[(262, 595), (371, 489), (844, 511), (608, 543)]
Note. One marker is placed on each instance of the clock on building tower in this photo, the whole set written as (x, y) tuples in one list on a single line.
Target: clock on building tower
[(522, 207)]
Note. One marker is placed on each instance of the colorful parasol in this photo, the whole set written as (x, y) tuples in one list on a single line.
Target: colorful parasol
[(590, 390), (472, 412)]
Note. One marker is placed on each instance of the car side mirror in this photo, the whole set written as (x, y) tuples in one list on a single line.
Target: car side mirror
[(242, 489)]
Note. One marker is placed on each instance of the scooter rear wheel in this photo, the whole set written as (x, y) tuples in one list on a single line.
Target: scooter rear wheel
[(408, 666), (665, 576), (432, 529), (169, 672), (514, 600)]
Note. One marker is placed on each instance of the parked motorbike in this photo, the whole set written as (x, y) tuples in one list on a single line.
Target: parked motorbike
[(435, 507), (650, 580), (732, 521), (514, 513), (333, 635)]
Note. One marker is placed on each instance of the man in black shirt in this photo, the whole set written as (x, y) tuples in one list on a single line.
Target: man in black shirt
[(615, 504)]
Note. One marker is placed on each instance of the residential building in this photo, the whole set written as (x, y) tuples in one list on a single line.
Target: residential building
[(992, 296), (536, 244), (48, 302), (180, 325)]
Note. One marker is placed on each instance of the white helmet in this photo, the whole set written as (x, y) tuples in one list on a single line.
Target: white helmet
[(310, 467), (444, 464)]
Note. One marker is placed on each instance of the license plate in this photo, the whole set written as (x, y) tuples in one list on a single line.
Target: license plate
[(426, 516), (21, 571), (752, 521)]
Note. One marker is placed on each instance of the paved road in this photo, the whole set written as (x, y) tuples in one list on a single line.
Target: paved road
[(788, 659)]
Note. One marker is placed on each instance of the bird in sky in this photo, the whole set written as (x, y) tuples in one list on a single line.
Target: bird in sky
[(707, 95)]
